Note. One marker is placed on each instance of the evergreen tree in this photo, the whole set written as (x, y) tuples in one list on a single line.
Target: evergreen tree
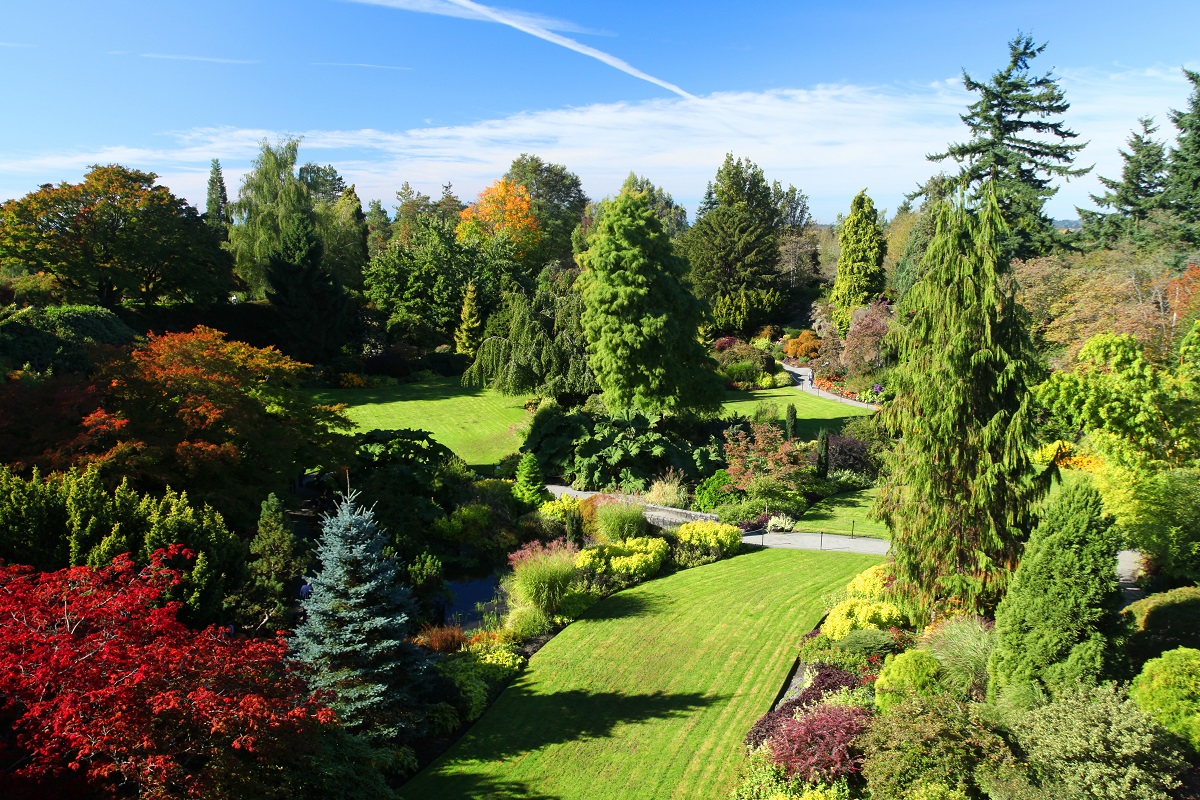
[(1135, 196), (379, 228), (1018, 145), (789, 421), (355, 634), (731, 248), (558, 201), (1053, 626), (276, 559), (314, 310), (860, 275), (640, 320), (530, 487), (959, 488), (216, 210), (1183, 170), (470, 326), (823, 454)]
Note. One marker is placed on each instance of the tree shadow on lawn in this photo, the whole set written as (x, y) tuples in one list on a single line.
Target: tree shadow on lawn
[(523, 721), (624, 605), (430, 391), (475, 786), (827, 509)]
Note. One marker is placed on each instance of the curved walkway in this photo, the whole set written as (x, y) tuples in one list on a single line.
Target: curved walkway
[(836, 542), (804, 382)]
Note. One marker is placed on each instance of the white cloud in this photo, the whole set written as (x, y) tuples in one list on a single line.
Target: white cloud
[(829, 140), (447, 8), (209, 59)]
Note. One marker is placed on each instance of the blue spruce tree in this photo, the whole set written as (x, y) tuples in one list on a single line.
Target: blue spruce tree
[(354, 635)]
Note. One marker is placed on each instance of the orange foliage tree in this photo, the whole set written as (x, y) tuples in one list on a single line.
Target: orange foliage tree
[(503, 209)]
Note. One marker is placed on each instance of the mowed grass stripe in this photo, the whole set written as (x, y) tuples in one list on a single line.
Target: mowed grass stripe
[(650, 695), (812, 413)]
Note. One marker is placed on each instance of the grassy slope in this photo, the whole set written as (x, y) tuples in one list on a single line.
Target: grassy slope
[(651, 694), (812, 413), (834, 515), (479, 425)]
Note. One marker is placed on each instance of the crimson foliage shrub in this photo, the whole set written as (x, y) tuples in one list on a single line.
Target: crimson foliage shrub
[(821, 744)]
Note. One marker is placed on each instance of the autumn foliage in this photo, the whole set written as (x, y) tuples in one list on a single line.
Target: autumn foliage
[(763, 453), (504, 208), (101, 684)]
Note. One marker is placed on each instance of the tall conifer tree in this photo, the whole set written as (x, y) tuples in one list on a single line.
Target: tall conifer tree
[(216, 209), (470, 326), (959, 484), (860, 274), (1183, 173), (1137, 194)]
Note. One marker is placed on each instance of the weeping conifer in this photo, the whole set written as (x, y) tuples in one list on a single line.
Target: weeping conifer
[(959, 483)]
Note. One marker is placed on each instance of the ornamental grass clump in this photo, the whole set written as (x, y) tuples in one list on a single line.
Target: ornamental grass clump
[(616, 522), (542, 576), (669, 490), (963, 646)]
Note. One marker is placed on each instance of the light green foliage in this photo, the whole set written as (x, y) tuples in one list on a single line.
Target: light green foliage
[(963, 646), (525, 622), (724, 540), (470, 326), (639, 318), (542, 581), (870, 584), (935, 791), (561, 509), (860, 273), (959, 486), (1053, 626), (855, 614), (478, 672), (821, 649), (1168, 689), (760, 778), (343, 229), (616, 522), (1097, 744), (529, 489), (607, 567), (711, 492), (913, 672), (782, 379), (57, 338)]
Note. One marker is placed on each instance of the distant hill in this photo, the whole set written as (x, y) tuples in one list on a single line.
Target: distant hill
[(1067, 224)]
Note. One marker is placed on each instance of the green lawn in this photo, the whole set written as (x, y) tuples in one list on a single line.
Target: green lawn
[(812, 413), (650, 695), (845, 513), (479, 425)]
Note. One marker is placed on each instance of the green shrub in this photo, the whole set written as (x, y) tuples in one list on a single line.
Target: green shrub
[(870, 584), (715, 490), (776, 497), (542, 580), (855, 614), (1096, 743), (849, 480), (608, 567), (1168, 689), (935, 791), (744, 372), (963, 646), (617, 522), (526, 622), (574, 603), (58, 338), (782, 379), (1162, 622), (927, 742), (739, 512), (1052, 628), (911, 673), (867, 643), (707, 540), (530, 488), (668, 490), (759, 778), (821, 649)]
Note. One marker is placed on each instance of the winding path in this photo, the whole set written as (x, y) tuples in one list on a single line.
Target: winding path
[(803, 377)]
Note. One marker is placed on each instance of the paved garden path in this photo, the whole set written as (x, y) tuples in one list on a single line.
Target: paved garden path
[(804, 382)]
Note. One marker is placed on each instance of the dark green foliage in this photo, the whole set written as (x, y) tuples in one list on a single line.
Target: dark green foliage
[(629, 452), (355, 634), (1163, 622), (1183, 169), (277, 559), (558, 203), (908, 268), (529, 488), (789, 421), (1132, 199), (731, 248), (1054, 625), (867, 643), (924, 741), (216, 209), (1017, 144), (324, 184), (639, 318), (1168, 689), (823, 454), (58, 338), (425, 578), (70, 519), (860, 275), (314, 310), (960, 484), (379, 228), (1095, 743)]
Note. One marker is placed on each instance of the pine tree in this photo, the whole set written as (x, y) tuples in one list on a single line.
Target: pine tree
[(1052, 628), (470, 326), (1183, 170), (355, 635), (1017, 145), (823, 454), (640, 320), (860, 274), (216, 210), (276, 559), (379, 228), (1135, 196), (960, 485), (529, 488)]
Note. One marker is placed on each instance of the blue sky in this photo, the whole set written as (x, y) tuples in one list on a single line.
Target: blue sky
[(830, 96)]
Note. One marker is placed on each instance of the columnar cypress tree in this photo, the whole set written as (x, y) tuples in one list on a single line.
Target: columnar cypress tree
[(860, 274), (216, 210), (1132, 198), (1052, 626), (470, 326), (356, 629), (823, 454), (789, 421), (1183, 172), (640, 319), (959, 483)]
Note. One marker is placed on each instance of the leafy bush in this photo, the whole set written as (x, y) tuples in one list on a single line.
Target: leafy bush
[(629, 452), (58, 338), (962, 645), (868, 643), (565, 512), (935, 791), (821, 649), (1162, 622), (717, 489), (766, 727), (821, 680), (616, 522), (1168, 689), (782, 379), (850, 454), (526, 622), (924, 742), (668, 490), (805, 345), (1096, 743), (855, 614), (616, 566), (914, 672), (574, 603), (1052, 626), (762, 779), (542, 579), (870, 584), (781, 522), (849, 480), (702, 542), (477, 673), (820, 744), (742, 372)]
